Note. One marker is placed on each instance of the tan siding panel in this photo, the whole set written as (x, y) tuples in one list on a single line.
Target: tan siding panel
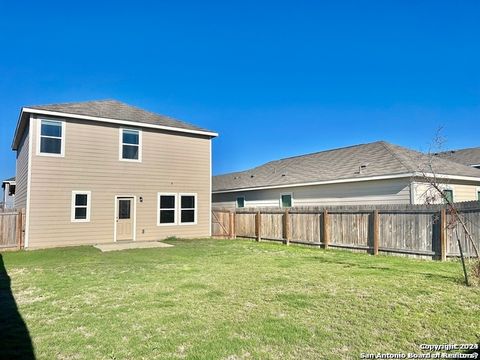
[(170, 163), (395, 191)]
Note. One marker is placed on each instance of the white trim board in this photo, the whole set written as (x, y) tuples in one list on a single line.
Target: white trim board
[(31, 136), (351, 180)]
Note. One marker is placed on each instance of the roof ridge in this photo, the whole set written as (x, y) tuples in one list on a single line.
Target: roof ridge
[(72, 103), (395, 155), (322, 151)]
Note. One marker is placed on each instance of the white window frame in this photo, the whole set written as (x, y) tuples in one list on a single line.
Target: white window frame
[(280, 199), (180, 208), (175, 217), (244, 201), (39, 137), (120, 145), (88, 206)]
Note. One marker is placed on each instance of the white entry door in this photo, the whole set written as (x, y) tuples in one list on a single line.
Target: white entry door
[(124, 217)]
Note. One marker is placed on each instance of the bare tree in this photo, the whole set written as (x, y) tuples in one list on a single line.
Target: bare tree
[(434, 186)]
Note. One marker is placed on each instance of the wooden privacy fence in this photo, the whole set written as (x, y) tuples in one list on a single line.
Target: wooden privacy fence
[(12, 229), (418, 230)]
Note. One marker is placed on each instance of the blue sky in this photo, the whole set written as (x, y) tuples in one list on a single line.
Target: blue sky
[(274, 78)]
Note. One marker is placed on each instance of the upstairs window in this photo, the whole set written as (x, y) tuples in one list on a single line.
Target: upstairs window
[(81, 206), (166, 209), (241, 202), (448, 196), (188, 205), (51, 139), (130, 145)]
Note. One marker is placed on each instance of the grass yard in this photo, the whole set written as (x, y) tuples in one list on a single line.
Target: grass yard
[(224, 299)]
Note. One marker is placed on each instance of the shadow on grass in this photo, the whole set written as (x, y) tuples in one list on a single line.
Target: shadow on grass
[(15, 341)]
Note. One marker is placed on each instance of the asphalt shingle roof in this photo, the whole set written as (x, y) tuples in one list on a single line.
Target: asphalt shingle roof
[(379, 158), (113, 109), (470, 156)]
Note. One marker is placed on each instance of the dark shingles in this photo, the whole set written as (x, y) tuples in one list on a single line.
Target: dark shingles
[(470, 156), (113, 109)]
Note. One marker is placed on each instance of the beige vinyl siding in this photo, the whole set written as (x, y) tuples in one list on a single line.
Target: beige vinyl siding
[(170, 163), (22, 171), (394, 191), (461, 191)]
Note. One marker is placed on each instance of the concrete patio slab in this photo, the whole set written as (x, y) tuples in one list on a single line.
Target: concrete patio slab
[(131, 245)]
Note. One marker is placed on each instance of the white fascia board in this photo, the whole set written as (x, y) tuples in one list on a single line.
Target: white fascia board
[(451, 177), (115, 121), (383, 177)]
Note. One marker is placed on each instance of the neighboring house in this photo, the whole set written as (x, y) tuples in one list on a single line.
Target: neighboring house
[(8, 187), (469, 157), (103, 171), (375, 173)]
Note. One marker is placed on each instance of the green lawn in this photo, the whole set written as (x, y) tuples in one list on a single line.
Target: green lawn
[(225, 299)]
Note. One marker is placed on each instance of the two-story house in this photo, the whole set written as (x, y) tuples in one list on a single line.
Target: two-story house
[(104, 171)]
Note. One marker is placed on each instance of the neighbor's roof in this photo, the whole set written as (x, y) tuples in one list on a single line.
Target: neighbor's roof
[(10, 179), (470, 156), (380, 158), (103, 110)]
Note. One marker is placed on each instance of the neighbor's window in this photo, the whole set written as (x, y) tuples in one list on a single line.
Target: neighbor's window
[(130, 145), (51, 137), (240, 201), (166, 209), (11, 190), (188, 208), (81, 206), (448, 195), (478, 196), (286, 200)]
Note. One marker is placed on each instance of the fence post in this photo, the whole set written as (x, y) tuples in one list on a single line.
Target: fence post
[(286, 227), (258, 225), (19, 229), (326, 229), (376, 230), (232, 225), (443, 235)]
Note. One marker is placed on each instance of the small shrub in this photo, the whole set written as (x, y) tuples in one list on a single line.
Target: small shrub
[(475, 273), (170, 238)]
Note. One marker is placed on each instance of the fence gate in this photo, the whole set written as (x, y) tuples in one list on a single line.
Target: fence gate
[(222, 223)]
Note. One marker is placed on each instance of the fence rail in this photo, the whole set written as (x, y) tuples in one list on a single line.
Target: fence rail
[(415, 230), (12, 229)]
